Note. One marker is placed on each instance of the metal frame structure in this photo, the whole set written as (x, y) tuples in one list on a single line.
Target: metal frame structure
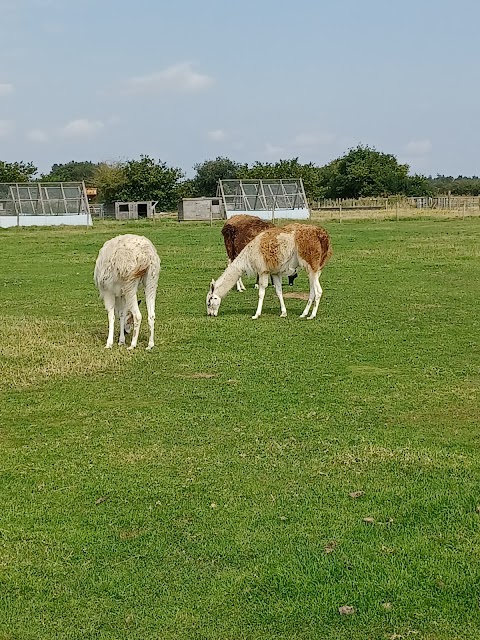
[(44, 203), (269, 199)]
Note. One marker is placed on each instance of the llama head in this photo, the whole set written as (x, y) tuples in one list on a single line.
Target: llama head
[(213, 301)]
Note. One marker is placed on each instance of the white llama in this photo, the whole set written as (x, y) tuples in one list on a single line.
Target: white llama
[(277, 252), (237, 232), (122, 264)]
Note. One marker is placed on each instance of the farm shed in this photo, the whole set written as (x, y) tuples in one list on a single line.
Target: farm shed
[(135, 210), (201, 209), (24, 204)]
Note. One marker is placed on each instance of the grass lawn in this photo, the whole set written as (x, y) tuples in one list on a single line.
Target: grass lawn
[(202, 490)]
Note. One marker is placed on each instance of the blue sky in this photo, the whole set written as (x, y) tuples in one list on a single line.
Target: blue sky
[(186, 81)]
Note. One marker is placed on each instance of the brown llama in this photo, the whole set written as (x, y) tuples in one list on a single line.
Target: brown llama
[(277, 252)]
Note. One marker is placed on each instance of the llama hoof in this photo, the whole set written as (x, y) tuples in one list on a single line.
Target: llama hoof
[(150, 347), (283, 315), (131, 347), (255, 317), (108, 346), (121, 343), (311, 318), (302, 315)]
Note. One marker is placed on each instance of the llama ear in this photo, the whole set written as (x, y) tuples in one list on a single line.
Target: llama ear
[(212, 285)]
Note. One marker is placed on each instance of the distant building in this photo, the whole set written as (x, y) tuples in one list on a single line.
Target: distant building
[(201, 209), (135, 210)]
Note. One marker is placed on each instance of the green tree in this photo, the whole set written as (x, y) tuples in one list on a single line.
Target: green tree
[(71, 172), (17, 171), (186, 189), (110, 180), (146, 179), (364, 172), (461, 186), (208, 173), (310, 174)]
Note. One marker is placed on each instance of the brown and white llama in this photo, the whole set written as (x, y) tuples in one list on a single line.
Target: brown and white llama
[(122, 264), (277, 252), (238, 231)]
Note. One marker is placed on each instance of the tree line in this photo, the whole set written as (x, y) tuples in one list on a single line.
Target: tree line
[(360, 172)]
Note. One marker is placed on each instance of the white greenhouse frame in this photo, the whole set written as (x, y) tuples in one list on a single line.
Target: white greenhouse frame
[(43, 204), (268, 199)]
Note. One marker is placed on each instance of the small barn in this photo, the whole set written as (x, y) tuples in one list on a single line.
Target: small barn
[(134, 210), (205, 209)]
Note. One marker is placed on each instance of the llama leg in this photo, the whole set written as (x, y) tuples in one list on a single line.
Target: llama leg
[(240, 285), (277, 281), (109, 300), (262, 285), (121, 339), (312, 277), (318, 295), (150, 292), (311, 296), (132, 304)]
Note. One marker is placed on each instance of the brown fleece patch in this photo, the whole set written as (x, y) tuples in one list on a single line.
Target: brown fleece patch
[(270, 247), (313, 244), (240, 230), (140, 272)]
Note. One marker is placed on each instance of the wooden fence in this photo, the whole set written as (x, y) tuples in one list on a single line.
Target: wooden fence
[(456, 203), (396, 207)]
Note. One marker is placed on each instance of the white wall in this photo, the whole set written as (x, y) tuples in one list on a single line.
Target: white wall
[(83, 219), (284, 214)]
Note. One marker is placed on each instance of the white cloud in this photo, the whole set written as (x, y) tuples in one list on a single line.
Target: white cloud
[(418, 147), (37, 135), (178, 78), (6, 88), (217, 135), (81, 128), (6, 127), (273, 150), (313, 139)]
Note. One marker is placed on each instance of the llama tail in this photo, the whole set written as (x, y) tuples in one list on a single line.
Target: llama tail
[(326, 246)]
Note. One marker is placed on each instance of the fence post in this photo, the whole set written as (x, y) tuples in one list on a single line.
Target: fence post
[(340, 212), (464, 209), (396, 210)]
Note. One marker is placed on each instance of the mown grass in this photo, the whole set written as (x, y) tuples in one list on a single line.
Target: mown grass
[(201, 491)]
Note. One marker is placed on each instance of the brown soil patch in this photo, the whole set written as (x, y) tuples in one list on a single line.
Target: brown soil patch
[(297, 296)]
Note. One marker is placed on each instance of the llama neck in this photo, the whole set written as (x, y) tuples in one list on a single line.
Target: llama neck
[(228, 278)]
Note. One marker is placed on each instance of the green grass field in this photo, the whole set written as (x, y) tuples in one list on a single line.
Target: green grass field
[(202, 490)]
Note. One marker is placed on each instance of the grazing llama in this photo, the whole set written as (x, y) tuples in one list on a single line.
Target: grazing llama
[(122, 264), (238, 231), (277, 252)]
